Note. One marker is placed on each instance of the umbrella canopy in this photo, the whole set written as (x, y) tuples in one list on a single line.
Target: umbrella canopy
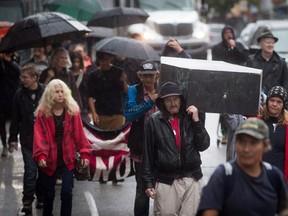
[(42, 29), (117, 17), (127, 47), (81, 10)]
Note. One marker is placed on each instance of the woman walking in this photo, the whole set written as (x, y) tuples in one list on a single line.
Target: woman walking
[(58, 134)]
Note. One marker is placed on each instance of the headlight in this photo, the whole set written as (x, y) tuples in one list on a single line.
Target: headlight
[(200, 31), (150, 36), (199, 35)]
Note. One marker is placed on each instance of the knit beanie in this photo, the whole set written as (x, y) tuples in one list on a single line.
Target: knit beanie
[(277, 91)]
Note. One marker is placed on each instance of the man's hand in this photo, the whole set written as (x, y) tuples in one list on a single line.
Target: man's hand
[(150, 192), (95, 118), (232, 43), (194, 112), (173, 43)]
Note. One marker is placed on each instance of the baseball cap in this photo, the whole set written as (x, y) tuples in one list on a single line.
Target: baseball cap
[(148, 67), (254, 127)]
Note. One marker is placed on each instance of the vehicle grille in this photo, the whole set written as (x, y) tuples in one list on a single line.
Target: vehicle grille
[(175, 29)]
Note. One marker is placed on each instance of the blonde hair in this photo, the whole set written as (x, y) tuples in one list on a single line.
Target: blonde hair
[(55, 54), (31, 69), (46, 102)]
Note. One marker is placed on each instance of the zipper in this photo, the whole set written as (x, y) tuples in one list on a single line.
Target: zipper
[(274, 127)]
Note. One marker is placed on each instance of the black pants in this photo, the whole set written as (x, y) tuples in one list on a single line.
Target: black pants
[(3, 132), (223, 125), (141, 204)]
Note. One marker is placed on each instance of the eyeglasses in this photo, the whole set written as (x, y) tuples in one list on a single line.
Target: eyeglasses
[(173, 100)]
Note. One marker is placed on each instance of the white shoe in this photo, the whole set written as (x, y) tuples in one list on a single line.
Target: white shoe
[(58, 181)]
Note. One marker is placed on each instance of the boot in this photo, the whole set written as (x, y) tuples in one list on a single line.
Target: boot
[(4, 151), (27, 207)]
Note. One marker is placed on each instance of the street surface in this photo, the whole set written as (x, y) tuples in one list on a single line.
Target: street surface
[(92, 198)]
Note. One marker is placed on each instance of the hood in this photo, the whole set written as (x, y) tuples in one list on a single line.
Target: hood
[(169, 89), (224, 29)]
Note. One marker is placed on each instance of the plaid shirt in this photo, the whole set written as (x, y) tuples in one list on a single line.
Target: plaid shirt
[(45, 146)]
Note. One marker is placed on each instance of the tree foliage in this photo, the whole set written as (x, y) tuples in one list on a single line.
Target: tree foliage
[(222, 7)]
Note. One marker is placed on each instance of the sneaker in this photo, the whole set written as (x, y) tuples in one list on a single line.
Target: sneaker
[(27, 207), (101, 181), (58, 181), (39, 204), (5, 151), (11, 148), (224, 139), (115, 181)]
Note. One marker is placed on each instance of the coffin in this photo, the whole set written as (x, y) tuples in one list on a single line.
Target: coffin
[(214, 86)]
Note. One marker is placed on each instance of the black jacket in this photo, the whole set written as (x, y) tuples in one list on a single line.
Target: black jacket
[(236, 55), (161, 160), (275, 70), (22, 121), (9, 83)]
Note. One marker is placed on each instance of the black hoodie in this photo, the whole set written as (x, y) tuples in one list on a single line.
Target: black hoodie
[(221, 52)]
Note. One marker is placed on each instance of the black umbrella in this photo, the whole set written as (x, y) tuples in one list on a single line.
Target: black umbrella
[(117, 17), (127, 47), (42, 29)]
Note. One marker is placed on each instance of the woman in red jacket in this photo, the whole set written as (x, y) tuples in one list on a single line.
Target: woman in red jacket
[(58, 133)]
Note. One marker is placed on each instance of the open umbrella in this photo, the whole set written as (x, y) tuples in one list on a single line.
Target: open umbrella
[(117, 17), (127, 47), (42, 29), (81, 10)]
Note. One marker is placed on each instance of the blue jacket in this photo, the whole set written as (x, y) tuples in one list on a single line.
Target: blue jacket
[(135, 109), (136, 106)]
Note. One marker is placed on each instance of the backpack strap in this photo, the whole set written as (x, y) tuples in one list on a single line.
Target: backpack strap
[(228, 168), (274, 178), (228, 179)]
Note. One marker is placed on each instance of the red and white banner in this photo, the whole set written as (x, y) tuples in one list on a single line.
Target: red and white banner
[(110, 153)]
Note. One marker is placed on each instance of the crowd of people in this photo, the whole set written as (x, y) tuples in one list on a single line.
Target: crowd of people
[(46, 99)]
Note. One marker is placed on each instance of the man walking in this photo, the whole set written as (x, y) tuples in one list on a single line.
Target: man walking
[(22, 122), (171, 160)]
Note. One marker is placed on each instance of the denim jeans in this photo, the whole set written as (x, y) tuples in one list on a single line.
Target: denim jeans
[(141, 205), (66, 191), (31, 183)]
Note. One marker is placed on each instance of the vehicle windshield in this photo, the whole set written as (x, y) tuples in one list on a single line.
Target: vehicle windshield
[(282, 43), (152, 5)]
